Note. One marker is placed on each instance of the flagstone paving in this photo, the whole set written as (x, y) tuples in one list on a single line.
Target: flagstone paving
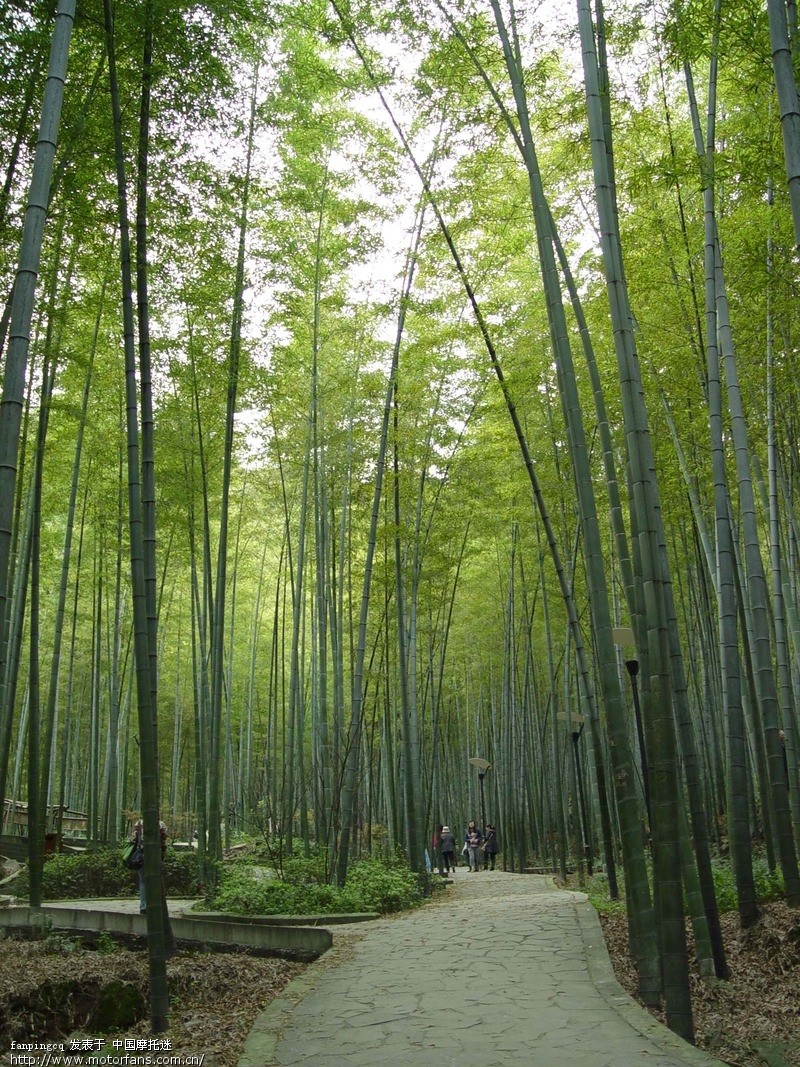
[(505, 971)]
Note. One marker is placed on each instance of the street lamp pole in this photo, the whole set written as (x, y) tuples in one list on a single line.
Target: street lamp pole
[(587, 846), (623, 635), (482, 766), (632, 667), (575, 724)]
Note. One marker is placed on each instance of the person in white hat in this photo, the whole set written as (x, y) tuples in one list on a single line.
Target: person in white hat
[(447, 843)]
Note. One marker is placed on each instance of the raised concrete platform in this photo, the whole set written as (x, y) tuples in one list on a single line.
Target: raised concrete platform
[(123, 918)]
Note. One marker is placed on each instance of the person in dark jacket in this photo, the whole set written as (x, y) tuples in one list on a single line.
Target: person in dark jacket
[(437, 849), (490, 847), (447, 843)]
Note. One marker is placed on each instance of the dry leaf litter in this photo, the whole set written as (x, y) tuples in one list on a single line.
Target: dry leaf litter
[(215, 998), (753, 1019)]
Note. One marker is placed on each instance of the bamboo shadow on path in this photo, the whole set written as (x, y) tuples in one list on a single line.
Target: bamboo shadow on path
[(505, 971)]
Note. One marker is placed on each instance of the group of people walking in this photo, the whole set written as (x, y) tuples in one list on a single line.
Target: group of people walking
[(480, 848)]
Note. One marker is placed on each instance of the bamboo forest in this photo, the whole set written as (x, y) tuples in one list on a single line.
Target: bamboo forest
[(394, 385)]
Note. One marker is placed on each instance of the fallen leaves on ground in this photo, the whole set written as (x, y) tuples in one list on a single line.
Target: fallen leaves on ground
[(758, 1006), (215, 998)]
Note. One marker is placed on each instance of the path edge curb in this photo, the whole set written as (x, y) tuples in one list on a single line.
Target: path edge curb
[(605, 982), (267, 1029)]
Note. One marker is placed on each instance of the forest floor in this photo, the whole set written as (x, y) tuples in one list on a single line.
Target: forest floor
[(752, 1020), (49, 991)]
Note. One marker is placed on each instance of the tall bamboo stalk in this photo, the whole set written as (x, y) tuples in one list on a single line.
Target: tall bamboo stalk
[(218, 628), (21, 314)]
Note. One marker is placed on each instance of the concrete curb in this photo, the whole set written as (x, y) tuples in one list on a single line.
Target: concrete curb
[(262, 1041), (340, 919), (604, 980), (302, 942)]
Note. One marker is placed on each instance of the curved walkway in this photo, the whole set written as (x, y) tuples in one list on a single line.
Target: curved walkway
[(505, 971)]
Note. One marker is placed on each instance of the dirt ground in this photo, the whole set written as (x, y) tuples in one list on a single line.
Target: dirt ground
[(752, 1020), (49, 992)]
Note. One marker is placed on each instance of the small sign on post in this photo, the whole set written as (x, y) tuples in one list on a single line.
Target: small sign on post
[(576, 720), (623, 635)]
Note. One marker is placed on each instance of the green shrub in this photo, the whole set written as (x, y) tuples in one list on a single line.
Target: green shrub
[(180, 873), (724, 886), (371, 886), (242, 894), (239, 893), (330, 899), (257, 851), (383, 888), (60, 944), (768, 884), (100, 873), (597, 891), (105, 944), (300, 869)]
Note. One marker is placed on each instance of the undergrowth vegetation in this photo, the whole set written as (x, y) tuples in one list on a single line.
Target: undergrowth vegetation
[(768, 885), (372, 885), (244, 888), (100, 873)]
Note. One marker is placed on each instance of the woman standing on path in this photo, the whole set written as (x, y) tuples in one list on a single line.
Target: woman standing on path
[(473, 842), (490, 847)]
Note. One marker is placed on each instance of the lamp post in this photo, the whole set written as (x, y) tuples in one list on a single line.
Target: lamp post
[(623, 635), (575, 724), (482, 766)]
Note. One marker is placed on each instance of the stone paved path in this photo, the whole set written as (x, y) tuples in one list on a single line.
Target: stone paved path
[(506, 971)]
